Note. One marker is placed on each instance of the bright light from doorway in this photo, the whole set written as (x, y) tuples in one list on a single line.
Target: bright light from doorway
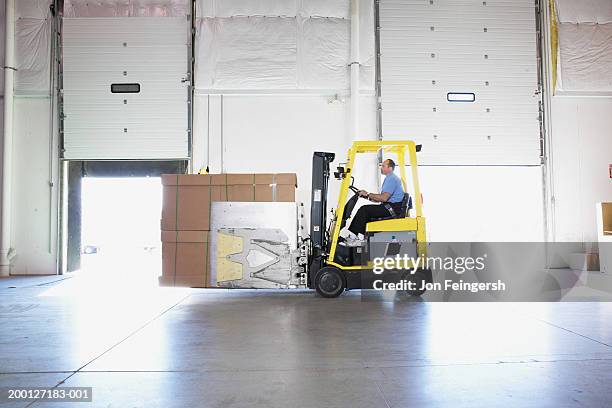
[(120, 229)]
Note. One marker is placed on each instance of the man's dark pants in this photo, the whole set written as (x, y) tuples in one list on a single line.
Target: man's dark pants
[(369, 212)]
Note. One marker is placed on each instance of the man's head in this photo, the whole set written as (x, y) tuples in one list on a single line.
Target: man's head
[(387, 167)]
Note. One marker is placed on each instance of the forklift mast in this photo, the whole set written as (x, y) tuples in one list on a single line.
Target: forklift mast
[(318, 210)]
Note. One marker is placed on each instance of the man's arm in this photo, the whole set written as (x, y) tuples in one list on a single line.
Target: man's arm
[(376, 198)]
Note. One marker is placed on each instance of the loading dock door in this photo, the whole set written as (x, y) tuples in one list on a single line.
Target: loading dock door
[(125, 94), (461, 78)]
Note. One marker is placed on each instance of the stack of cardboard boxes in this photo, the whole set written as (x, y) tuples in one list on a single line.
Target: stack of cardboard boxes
[(604, 237), (185, 223)]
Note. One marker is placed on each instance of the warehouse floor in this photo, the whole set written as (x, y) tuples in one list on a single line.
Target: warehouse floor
[(189, 348)]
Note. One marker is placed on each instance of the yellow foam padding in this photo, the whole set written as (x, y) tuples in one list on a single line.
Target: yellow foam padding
[(554, 43), (228, 245)]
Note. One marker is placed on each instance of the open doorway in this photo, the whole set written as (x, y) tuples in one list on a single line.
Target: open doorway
[(113, 211), (120, 236)]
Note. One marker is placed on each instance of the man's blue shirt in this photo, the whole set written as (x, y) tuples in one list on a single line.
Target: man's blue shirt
[(393, 186)]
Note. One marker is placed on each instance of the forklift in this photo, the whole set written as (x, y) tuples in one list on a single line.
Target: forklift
[(333, 267)]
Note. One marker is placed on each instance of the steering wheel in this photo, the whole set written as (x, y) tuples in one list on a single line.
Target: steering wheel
[(356, 191), (350, 205)]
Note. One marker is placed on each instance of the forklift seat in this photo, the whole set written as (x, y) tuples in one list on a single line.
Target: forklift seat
[(403, 212)]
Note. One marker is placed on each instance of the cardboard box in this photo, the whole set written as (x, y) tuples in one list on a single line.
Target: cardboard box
[(240, 179), (186, 202), (240, 187), (187, 197), (278, 178), (285, 193), (218, 193), (241, 192), (193, 208), (185, 260), (279, 192), (275, 187), (194, 179), (169, 200), (218, 187), (218, 179), (606, 218)]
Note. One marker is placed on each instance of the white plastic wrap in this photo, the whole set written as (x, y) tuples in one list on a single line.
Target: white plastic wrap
[(239, 49), (32, 46), (246, 53), (242, 8), (273, 8), (32, 54), (2, 34), (585, 57), (126, 8), (325, 8), (584, 11), (324, 53), (32, 8), (366, 44)]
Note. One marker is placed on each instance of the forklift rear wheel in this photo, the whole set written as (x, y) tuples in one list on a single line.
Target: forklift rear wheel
[(418, 278), (329, 282)]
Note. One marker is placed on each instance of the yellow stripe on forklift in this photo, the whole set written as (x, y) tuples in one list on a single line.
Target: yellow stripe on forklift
[(393, 225), (369, 266)]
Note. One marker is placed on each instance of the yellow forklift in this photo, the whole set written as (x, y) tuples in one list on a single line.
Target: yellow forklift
[(332, 266)]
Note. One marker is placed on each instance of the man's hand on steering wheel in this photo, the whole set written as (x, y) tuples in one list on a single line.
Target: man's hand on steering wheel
[(363, 193)]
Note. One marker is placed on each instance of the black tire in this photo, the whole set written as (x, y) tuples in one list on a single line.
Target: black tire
[(418, 277), (330, 282)]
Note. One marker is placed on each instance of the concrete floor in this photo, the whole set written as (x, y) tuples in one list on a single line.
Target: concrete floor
[(195, 348)]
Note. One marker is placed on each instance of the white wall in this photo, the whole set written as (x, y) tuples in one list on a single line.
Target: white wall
[(2, 35), (34, 204), (581, 153), (34, 229)]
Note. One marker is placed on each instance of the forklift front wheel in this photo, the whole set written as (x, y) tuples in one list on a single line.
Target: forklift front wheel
[(329, 282), (418, 278)]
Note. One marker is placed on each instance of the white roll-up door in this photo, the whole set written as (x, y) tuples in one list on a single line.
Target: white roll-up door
[(460, 77), (125, 94)]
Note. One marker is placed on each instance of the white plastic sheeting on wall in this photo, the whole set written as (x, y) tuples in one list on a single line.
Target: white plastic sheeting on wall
[(585, 57), (33, 46), (584, 11), (2, 34), (584, 64), (276, 44), (32, 8), (274, 8), (232, 8), (235, 53), (325, 55), (126, 8), (488, 49)]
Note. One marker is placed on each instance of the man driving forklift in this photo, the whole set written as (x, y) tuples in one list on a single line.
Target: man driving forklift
[(389, 199)]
